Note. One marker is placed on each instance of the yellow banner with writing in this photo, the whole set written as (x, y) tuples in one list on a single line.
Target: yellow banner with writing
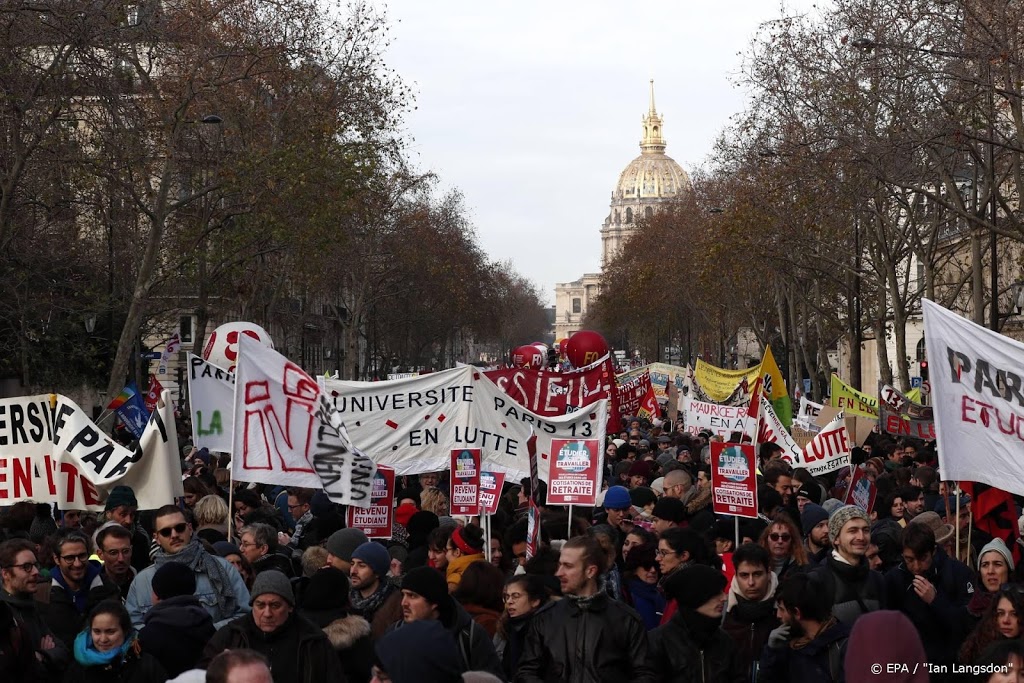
[(851, 401), (719, 384)]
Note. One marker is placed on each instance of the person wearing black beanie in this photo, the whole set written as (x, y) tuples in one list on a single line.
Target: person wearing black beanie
[(692, 646)]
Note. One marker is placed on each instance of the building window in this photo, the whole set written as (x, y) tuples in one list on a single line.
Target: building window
[(577, 305), (920, 350), (648, 212), (132, 15), (185, 329), (629, 215)]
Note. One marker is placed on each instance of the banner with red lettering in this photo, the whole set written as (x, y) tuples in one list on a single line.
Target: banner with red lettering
[(465, 481), (977, 380), (550, 393), (721, 420), (573, 475), (829, 449), (377, 520), (632, 393), (491, 484), (733, 479), (52, 452), (900, 416)]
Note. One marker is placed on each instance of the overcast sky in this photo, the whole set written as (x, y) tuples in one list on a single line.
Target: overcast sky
[(532, 109)]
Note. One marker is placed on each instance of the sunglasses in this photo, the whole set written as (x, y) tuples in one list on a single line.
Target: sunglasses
[(176, 529), (779, 537)]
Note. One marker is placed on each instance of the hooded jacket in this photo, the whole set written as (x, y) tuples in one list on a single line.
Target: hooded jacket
[(298, 651), (351, 637), (943, 624), (749, 624), (273, 560), (589, 641), (176, 631), (63, 615), (680, 657), (820, 660)]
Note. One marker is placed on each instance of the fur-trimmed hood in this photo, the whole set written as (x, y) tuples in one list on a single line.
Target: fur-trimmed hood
[(343, 633)]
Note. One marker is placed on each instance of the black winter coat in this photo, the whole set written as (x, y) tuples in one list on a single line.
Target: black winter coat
[(298, 651), (34, 628), (473, 640), (60, 613), (17, 657), (677, 658), (749, 624), (138, 667), (351, 638), (274, 561), (854, 590), (175, 632), (818, 661), (604, 640)]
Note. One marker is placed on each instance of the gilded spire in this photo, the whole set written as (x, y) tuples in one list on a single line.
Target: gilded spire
[(653, 142)]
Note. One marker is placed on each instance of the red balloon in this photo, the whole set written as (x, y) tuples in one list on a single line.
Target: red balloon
[(527, 356), (563, 347), (585, 347)]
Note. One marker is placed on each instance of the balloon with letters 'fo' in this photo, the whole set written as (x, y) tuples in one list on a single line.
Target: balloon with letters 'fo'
[(222, 347), (527, 356), (585, 347)]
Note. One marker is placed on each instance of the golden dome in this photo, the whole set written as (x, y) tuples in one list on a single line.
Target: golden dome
[(653, 174)]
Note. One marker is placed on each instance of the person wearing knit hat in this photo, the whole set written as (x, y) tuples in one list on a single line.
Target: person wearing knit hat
[(643, 498), (831, 505), (296, 649), (122, 507), (177, 627), (372, 594), (932, 589), (808, 493), (694, 632), (814, 525), (422, 652), (340, 546), (425, 597), (857, 588), (881, 638), (667, 513), (995, 564)]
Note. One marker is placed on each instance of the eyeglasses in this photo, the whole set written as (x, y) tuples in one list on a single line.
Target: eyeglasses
[(246, 544), (118, 552), (26, 567), (71, 559), (295, 507), (780, 537), (176, 529), (663, 553), (511, 596)]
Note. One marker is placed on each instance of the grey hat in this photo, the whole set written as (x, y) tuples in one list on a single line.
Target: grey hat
[(343, 542), (272, 581), (838, 519), (999, 546), (943, 532), (831, 505)]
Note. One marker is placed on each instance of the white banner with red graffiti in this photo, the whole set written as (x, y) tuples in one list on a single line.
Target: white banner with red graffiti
[(51, 452), (977, 380), (771, 430), (288, 432)]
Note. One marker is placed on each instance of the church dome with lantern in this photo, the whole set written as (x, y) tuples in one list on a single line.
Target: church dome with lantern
[(651, 179)]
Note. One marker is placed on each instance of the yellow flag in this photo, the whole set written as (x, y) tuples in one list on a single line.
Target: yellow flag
[(851, 401), (719, 384)]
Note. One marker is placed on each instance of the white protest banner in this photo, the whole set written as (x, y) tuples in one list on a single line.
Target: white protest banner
[(829, 449), (721, 420), (414, 424), (211, 392), (287, 432), (808, 411), (51, 452), (977, 381), (771, 430)]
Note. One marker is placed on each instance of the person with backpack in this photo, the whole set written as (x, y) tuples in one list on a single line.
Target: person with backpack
[(810, 644), (425, 596)]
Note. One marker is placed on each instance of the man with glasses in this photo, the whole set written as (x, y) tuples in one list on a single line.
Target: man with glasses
[(123, 508), (219, 586), (299, 500), (114, 546), (19, 573), (77, 585)]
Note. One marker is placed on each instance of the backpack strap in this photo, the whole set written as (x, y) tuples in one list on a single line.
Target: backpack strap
[(834, 665), (466, 643)]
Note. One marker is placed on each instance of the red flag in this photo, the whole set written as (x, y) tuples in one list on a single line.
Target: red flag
[(649, 405), (533, 513), (994, 512), (754, 409), (153, 395)]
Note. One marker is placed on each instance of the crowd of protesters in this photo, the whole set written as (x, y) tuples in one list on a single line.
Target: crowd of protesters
[(650, 586)]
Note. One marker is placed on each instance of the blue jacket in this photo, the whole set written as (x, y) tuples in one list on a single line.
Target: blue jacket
[(140, 595)]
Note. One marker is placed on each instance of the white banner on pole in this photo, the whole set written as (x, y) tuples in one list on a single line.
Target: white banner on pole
[(829, 449), (51, 452), (211, 392), (771, 430), (809, 410), (977, 378), (287, 432)]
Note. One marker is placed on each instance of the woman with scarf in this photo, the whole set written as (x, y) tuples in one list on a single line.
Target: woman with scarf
[(782, 541), (108, 650), (525, 597), (995, 567), (640, 585), (465, 546)]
